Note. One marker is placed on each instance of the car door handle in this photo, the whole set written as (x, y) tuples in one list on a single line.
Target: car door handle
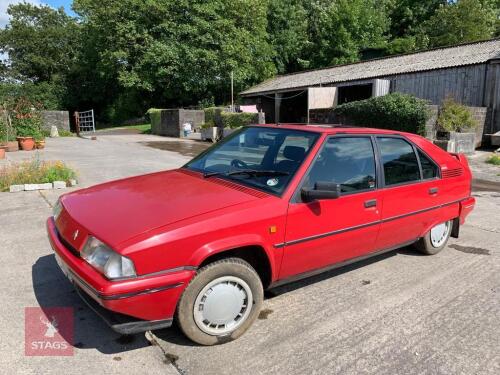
[(370, 203), (433, 190)]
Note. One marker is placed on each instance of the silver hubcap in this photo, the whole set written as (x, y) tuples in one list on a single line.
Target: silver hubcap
[(223, 305), (439, 234)]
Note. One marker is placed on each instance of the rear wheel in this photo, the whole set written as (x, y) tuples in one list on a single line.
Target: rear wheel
[(435, 240), (221, 302)]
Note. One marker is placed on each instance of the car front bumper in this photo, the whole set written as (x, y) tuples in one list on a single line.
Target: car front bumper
[(128, 306)]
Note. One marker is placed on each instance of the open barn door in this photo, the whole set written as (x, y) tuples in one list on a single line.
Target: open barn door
[(321, 98), (381, 87)]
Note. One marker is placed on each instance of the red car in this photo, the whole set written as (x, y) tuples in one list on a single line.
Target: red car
[(268, 205)]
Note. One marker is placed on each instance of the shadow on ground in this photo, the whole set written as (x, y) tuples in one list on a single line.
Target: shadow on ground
[(52, 289), (174, 335), (184, 148)]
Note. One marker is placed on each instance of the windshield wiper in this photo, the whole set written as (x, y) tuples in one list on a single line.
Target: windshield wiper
[(249, 172)]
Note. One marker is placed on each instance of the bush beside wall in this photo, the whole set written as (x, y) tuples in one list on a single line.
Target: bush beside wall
[(237, 119), (216, 115), (394, 111), (154, 117)]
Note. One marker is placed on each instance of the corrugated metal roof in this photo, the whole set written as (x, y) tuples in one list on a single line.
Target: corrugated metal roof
[(460, 55)]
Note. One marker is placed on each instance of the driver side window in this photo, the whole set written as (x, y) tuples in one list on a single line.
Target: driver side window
[(348, 161)]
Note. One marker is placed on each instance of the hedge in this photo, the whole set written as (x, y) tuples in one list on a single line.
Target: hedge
[(237, 119), (211, 115), (154, 117), (214, 115), (394, 111)]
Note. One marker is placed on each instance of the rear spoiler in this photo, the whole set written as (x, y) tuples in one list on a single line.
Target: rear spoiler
[(461, 158)]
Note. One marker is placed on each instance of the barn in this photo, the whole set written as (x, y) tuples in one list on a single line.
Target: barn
[(468, 72)]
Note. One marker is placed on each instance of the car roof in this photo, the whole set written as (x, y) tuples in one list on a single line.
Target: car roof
[(333, 128)]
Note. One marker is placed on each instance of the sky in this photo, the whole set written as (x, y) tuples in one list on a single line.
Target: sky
[(4, 4)]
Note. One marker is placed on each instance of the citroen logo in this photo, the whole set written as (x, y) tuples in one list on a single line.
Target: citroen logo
[(75, 235)]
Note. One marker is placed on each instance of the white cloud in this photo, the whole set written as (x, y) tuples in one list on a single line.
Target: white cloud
[(4, 4)]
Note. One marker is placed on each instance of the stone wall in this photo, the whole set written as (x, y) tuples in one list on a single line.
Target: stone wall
[(57, 118), (483, 117), (171, 120), (430, 125)]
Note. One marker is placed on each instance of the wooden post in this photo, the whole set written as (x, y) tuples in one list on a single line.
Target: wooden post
[(277, 106), (77, 124)]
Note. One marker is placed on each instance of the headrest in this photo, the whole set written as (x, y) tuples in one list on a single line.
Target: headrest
[(294, 153)]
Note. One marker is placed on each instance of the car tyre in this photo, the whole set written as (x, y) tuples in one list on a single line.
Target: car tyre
[(435, 239), (221, 302)]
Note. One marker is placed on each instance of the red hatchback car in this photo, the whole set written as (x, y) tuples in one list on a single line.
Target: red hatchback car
[(268, 205)]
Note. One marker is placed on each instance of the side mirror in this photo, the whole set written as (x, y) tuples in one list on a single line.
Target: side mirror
[(322, 190)]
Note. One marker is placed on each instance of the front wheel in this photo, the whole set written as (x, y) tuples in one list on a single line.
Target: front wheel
[(435, 240), (221, 302)]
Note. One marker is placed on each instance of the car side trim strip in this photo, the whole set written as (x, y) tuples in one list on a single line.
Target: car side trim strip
[(170, 270), (355, 227)]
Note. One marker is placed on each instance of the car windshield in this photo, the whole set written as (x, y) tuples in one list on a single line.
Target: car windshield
[(264, 158)]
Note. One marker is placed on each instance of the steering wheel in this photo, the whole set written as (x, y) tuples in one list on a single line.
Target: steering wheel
[(237, 163)]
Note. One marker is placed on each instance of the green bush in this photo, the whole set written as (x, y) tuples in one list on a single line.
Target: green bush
[(238, 119), (455, 117), (493, 159), (46, 95), (394, 111), (26, 118), (211, 114), (153, 115)]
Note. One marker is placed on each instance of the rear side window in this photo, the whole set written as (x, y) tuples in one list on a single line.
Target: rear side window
[(347, 161), (399, 161), (429, 169)]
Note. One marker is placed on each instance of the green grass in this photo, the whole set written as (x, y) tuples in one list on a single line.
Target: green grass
[(493, 159), (62, 133), (143, 128), (34, 172)]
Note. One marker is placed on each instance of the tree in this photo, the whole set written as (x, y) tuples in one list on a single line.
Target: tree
[(170, 52), (408, 15), (287, 30), (462, 21), (339, 30), (40, 42)]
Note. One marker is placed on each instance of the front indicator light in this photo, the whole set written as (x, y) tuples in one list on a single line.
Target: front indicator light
[(108, 262), (57, 209)]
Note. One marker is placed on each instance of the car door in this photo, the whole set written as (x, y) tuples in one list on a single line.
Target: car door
[(327, 231), (411, 190)]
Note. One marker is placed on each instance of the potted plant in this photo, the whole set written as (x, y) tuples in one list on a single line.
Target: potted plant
[(39, 141), (3, 138), (27, 123), (7, 132), (456, 128), (208, 132)]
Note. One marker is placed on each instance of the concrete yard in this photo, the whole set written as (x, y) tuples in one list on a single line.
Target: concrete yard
[(394, 314)]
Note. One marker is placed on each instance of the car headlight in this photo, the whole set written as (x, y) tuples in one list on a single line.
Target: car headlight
[(57, 209), (107, 261)]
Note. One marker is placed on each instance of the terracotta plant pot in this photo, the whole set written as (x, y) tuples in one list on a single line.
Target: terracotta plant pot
[(12, 146), (40, 145), (2, 152), (26, 143)]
